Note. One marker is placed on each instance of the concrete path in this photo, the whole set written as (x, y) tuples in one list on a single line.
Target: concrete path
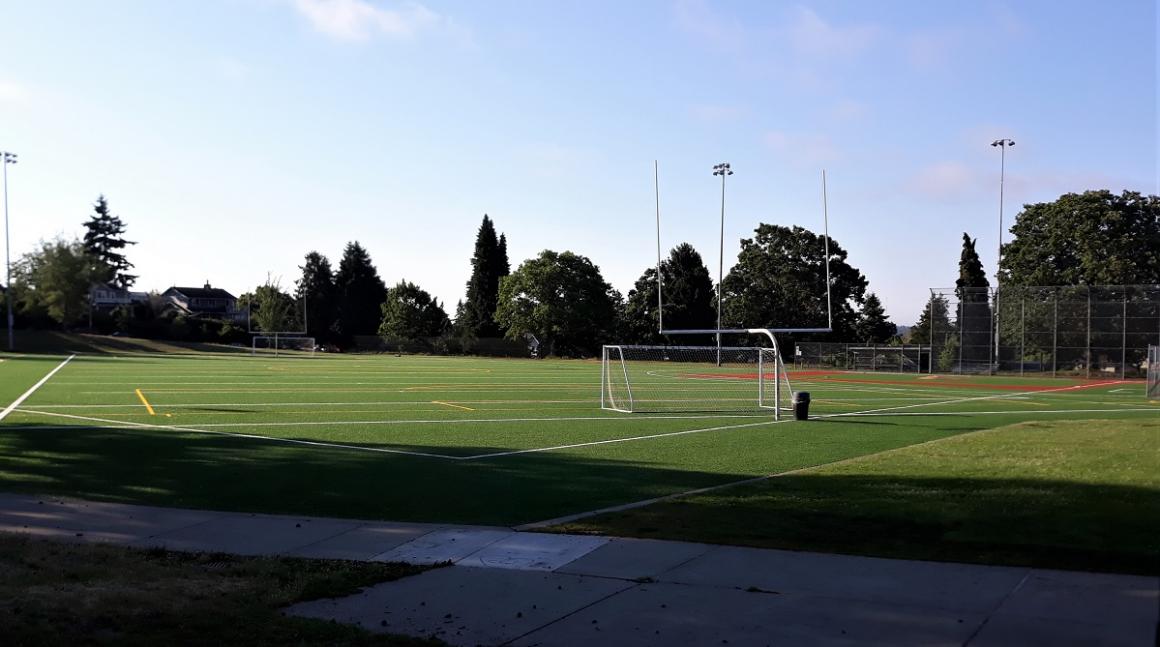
[(520, 588)]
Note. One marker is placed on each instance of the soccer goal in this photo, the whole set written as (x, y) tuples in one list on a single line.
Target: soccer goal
[(657, 379), (280, 345), (1153, 373)]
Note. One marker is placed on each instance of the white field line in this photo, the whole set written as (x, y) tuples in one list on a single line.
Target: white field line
[(430, 421), (996, 413), (122, 424), (668, 497), (18, 401)]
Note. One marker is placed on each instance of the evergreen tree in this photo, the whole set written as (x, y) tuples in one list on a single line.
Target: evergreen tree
[(690, 301), (873, 327), (488, 265), (411, 314), (934, 324), (104, 239), (316, 287), (974, 305), (360, 293)]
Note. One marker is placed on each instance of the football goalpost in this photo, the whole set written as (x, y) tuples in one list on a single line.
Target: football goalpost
[(704, 378), (1153, 388)]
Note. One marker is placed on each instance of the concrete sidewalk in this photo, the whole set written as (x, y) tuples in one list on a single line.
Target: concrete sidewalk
[(536, 589)]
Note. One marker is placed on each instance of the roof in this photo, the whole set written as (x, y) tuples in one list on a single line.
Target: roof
[(203, 293)]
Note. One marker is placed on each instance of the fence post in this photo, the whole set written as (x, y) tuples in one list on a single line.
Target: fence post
[(1022, 332), (1089, 333), (1124, 338), (961, 337), (993, 367), (1055, 337)]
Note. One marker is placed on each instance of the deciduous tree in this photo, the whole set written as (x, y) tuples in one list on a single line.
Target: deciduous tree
[(411, 314)]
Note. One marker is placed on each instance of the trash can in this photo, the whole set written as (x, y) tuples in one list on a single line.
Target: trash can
[(801, 405)]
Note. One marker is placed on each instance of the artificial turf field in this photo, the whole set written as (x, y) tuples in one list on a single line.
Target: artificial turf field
[(468, 440)]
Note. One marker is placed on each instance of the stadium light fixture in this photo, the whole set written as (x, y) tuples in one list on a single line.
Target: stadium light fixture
[(8, 158), (723, 169), (1002, 145)]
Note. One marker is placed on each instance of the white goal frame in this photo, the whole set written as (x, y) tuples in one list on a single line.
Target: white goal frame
[(614, 367), (279, 337)]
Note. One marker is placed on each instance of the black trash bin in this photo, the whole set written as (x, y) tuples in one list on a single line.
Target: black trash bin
[(801, 405)]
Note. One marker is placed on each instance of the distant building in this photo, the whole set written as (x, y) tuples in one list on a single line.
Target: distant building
[(104, 297), (208, 301)]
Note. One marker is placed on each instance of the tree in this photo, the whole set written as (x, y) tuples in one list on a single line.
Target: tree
[(103, 242), (317, 289), (562, 299), (272, 310), (689, 297), (974, 305), (779, 281), (411, 314), (873, 326), (1093, 238), (934, 324), (488, 265), (54, 280), (360, 293)]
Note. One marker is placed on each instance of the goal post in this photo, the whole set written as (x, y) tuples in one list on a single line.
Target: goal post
[(281, 345), (668, 379), (1153, 387)]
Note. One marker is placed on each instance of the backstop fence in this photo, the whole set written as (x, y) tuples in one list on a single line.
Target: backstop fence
[(1087, 331), (894, 358)]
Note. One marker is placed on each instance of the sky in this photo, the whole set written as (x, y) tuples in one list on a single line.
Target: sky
[(235, 136)]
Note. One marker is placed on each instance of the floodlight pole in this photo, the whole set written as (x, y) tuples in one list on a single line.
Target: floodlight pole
[(1002, 144), (8, 158), (723, 169)]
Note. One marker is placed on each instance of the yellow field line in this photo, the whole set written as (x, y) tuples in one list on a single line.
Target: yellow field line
[(145, 402), (448, 404)]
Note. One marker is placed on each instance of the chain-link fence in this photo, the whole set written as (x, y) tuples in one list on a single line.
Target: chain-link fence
[(1089, 331), (895, 358)]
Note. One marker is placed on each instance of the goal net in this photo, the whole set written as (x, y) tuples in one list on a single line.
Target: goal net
[(277, 345), (693, 378), (1154, 372)]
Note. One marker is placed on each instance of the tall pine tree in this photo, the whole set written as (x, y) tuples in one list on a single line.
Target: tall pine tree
[(873, 326), (104, 241), (317, 289), (934, 324), (360, 293), (689, 296), (974, 306), (488, 265)]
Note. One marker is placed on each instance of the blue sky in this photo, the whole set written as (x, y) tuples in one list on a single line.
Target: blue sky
[(234, 136)]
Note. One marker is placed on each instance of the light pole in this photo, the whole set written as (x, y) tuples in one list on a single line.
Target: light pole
[(723, 169), (1002, 144), (8, 158)]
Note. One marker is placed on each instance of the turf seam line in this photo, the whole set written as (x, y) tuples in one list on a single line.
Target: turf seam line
[(20, 400), (293, 441)]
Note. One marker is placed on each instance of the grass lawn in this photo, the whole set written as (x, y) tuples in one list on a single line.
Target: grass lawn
[(509, 441), (1081, 493), (74, 594)]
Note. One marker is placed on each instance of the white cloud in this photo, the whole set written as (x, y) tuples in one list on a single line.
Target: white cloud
[(810, 35), (360, 20), (805, 149)]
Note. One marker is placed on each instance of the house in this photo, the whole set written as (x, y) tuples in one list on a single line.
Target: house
[(207, 301), (104, 297)]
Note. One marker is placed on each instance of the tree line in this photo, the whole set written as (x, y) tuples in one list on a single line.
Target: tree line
[(560, 301)]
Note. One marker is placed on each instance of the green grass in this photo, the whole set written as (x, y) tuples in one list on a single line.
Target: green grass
[(85, 594), (1079, 493), (467, 440)]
